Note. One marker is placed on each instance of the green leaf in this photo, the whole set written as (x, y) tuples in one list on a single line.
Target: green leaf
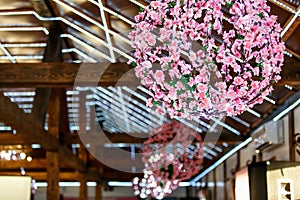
[(179, 92), (260, 15), (204, 48), (172, 103), (172, 4), (155, 103), (260, 64), (189, 100), (211, 26), (273, 82), (240, 37), (194, 87), (194, 71), (141, 9), (168, 67), (207, 94), (215, 49), (182, 2), (168, 42), (173, 83), (228, 5), (133, 64)]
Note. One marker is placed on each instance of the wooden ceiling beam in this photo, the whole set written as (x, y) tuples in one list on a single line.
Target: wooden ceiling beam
[(63, 176), (13, 116), (64, 74), (92, 74), (7, 138), (76, 176), (74, 138)]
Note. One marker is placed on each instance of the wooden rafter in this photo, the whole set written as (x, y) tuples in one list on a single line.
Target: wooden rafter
[(76, 176), (7, 138), (65, 74), (13, 116)]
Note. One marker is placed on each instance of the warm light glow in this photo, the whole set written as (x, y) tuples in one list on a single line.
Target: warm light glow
[(22, 156), (29, 158)]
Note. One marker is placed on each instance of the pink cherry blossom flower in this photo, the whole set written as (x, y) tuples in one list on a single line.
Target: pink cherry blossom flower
[(160, 111), (159, 76), (250, 49), (238, 81)]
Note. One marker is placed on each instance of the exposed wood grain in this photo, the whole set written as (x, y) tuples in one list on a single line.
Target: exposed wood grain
[(290, 74), (13, 116), (92, 74), (97, 138), (52, 176), (292, 28), (83, 189), (16, 164), (63, 176), (65, 74), (98, 191), (53, 157), (76, 176), (291, 132), (27, 125), (225, 180), (40, 104)]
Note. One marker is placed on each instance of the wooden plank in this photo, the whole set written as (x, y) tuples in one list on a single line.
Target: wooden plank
[(98, 191), (13, 116), (53, 157), (63, 176), (225, 180), (40, 104), (76, 176), (94, 137), (64, 74), (52, 176), (53, 53), (7, 138), (36, 163), (291, 132), (292, 28), (83, 189), (17, 164), (26, 124), (290, 74), (215, 192), (64, 118)]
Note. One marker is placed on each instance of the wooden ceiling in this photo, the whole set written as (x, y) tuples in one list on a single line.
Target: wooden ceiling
[(60, 61)]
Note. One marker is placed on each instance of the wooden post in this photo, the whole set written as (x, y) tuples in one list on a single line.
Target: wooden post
[(291, 132), (215, 183), (98, 191), (83, 190), (82, 152), (225, 180), (238, 160), (53, 192)]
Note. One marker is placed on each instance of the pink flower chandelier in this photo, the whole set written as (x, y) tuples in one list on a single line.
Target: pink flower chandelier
[(172, 153), (197, 60)]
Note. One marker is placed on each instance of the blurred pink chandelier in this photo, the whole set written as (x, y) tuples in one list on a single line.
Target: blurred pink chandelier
[(172, 153)]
